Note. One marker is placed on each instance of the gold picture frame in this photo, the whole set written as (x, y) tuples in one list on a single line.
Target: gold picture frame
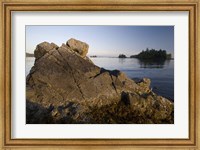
[(192, 6)]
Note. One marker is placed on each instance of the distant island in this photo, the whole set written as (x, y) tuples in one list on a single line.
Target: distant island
[(152, 55), (29, 55), (122, 56), (93, 56)]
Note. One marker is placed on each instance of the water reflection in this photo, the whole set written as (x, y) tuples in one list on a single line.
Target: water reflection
[(152, 63), (122, 60)]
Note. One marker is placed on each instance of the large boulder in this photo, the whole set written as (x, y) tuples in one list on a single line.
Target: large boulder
[(78, 46), (65, 87), (43, 48)]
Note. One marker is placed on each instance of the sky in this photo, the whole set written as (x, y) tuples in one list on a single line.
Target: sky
[(105, 40)]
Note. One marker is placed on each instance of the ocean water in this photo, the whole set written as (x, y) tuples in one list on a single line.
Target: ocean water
[(160, 73)]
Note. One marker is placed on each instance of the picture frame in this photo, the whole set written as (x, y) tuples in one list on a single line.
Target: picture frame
[(7, 7)]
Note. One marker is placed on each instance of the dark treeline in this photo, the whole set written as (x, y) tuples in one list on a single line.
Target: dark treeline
[(122, 56), (152, 55)]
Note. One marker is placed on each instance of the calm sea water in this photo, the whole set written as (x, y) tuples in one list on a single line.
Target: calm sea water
[(160, 73)]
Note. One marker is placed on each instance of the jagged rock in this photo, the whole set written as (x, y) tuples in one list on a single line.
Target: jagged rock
[(43, 48), (88, 59), (54, 45), (78, 46), (145, 84), (65, 87)]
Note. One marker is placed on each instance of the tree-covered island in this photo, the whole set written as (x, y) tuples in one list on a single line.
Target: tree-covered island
[(122, 56), (152, 54)]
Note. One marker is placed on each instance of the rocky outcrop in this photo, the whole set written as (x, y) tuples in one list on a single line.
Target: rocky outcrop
[(78, 46), (64, 86), (43, 48)]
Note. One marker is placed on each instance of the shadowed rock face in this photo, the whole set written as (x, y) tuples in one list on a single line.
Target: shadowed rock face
[(64, 86)]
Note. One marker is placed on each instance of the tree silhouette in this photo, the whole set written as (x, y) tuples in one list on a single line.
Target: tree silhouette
[(122, 56), (152, 55)]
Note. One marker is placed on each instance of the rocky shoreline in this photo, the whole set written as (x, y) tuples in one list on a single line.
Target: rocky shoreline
[(64, 86)]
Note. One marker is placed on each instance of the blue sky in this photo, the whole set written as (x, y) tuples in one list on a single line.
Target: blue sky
[(105, 40)]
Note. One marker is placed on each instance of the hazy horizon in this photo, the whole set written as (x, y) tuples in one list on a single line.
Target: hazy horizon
[(104, 41)]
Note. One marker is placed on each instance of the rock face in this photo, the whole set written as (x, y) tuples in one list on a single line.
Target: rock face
[(78, 46), (64, 86), (43, 48)]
